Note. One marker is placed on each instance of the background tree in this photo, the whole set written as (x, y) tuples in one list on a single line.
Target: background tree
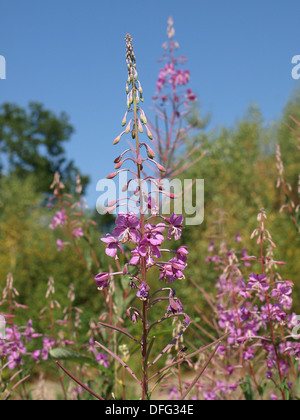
[(32, 142)]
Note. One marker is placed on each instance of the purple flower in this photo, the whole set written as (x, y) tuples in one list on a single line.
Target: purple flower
[(48, 345), (58, 220), (102, 359), (226, 319), (182, 253), (112, 245), (238, 238), (211, 247), (145, 250), (175, 226), (36, 355), (175, 306), (143, 291), (15, 359), (283, 293), (277, 314), (137, 254), (249, 354), (258, 282), (154, 235), (77, 233), (102, 280), (127, 228), (210, 396), (173, 270), (61, 244), (173, 394), (29, 333)]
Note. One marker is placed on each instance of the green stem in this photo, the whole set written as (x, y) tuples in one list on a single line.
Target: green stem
[(143, 260)]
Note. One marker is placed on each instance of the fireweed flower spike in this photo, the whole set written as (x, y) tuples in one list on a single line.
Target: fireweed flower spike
[(146, 238), (173, 102)]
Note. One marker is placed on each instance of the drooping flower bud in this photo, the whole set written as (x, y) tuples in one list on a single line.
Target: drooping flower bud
[(128, 128), (119, 158), (117, 140), (161, 168), (149, 134), (143, 117), (119, 164), (124, 119), (150, 153), (112, 176)]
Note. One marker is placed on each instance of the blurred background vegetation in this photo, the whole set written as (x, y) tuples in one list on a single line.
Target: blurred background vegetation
[(240, 178)]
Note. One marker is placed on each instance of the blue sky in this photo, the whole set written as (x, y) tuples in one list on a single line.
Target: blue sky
[(69, 55)]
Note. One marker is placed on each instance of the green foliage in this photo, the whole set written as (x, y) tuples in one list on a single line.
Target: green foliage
[(32, 142), (28, 250), (240, 178)]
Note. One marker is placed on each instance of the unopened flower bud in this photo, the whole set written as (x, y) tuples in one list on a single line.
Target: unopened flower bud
[(112, 176), (119, 165), (140, 89), (143, 117), (161, 168), (150, 153), (128, 128), (124, 120), (117, 139), (149, 134)]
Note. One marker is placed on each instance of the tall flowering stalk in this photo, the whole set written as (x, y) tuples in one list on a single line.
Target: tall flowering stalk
[(146, 232), (173, 103), (290, 206)]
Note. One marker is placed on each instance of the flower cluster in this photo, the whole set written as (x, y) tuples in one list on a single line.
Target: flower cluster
[(173, 103), (255, 309), (170, 75), (14, 348), (143, 232), (70, 218)]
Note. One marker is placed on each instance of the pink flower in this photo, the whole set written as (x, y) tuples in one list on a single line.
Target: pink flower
[(61, 244), (175, 226), (102, 280), (58, 220), (77, 233), (127, 228), (112, 245)]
